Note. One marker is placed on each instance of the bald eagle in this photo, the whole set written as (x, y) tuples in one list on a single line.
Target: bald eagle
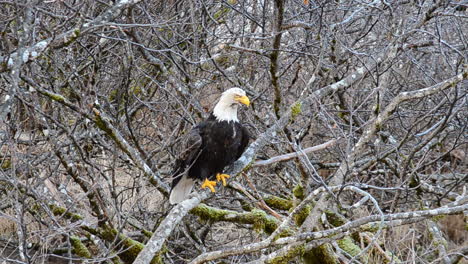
[(211, 146)]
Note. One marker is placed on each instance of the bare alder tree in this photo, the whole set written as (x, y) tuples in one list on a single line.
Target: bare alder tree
[(359, 122)]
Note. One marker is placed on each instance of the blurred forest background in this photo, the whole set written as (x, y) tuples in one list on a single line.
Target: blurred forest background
[(358, 115)]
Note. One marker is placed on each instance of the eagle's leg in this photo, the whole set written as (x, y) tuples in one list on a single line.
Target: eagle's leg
[(209, 184), (222, 177)]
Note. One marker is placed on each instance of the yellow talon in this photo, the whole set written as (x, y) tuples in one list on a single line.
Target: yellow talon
[(222, 177), (209, 184)]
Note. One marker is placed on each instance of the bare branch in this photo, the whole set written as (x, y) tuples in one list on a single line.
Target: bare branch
[(293, 155)]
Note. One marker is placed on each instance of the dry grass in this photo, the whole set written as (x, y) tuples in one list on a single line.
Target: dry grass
[(7, 228)]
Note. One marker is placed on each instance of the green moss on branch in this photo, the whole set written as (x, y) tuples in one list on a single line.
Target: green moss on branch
[(79, 248), (301, 216), (347, 244), (206, 212), (298, 192), (278, 203), (334, 219), (60, 211), (258, 218), (322, 254), (296, 109), (5, 163), (293, 253), (130, 247)]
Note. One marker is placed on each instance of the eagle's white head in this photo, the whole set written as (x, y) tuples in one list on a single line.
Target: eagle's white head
[(226, 108)]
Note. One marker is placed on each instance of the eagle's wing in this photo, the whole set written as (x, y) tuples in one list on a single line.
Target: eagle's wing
[(182, 184), (244, 141), (192, 146)]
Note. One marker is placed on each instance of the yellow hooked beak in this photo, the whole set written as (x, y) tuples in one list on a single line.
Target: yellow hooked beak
[(242, 99)]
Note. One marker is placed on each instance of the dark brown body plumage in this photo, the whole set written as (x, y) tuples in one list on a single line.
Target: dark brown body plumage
[(210, 147)]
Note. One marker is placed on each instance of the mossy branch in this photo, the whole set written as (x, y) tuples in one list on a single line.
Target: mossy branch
[(290, 253), (278, 202), (347, 245), (61, 211), (258, 218), (322, 254), (79, 248)]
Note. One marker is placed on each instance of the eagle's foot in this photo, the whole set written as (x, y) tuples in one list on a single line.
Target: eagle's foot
[(222, 177), (209, 184)]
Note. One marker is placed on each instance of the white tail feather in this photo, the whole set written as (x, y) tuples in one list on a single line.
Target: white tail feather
[(181, 190)]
